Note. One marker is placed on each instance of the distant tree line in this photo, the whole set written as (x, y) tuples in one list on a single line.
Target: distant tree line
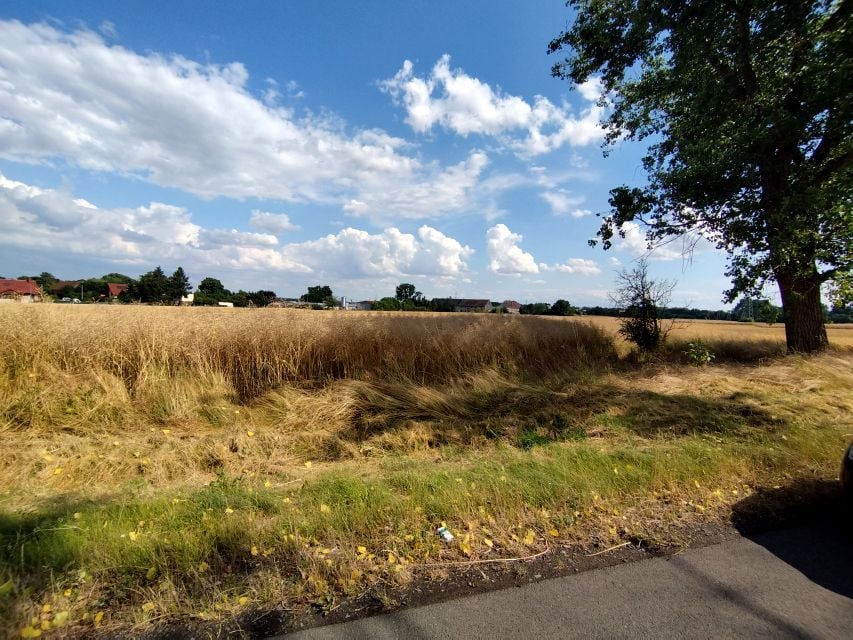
[(155, 287)]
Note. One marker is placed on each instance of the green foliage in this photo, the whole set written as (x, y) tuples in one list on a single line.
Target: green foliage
[(442, 304), (536, 309), (562, 308), (213, 288), (747, 105), (179, 285), (119, 278), (405, 291), (153, 287), (699, 353), (531, 438), (46, 280), (262, 297), (386, 304), (839, 290), (756, 309), (317, 294), (410, 299)]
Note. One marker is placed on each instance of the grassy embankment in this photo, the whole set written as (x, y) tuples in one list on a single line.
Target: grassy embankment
[(189, 463)]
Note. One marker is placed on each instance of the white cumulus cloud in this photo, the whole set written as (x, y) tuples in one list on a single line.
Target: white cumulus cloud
[(580, 266), (355, 253), (452, 99), (563, 203), (43, 219), (175, 122), (274, 223), (505, 254)]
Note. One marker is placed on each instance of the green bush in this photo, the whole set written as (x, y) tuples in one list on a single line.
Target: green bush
[(698, 353)]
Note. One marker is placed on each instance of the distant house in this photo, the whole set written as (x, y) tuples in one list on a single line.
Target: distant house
[(187, 300), (364, 305), (230, 305), (475, 305), (115, 289), (510, 306), (19, 291)]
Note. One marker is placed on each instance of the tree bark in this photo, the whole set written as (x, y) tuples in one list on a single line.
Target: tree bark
[(805, 331)]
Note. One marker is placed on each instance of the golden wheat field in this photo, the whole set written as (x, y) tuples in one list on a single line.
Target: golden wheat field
[(186, 464), (840, 335)]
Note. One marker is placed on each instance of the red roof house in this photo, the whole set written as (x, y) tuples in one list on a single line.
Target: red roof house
[(115, 289), (19, 291)]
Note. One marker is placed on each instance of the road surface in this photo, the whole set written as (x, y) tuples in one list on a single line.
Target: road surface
[(796, 583)]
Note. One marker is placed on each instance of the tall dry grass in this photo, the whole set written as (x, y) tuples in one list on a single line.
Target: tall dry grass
[(89, 361)]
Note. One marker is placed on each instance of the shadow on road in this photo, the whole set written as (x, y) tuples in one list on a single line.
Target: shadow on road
[(823, 552)]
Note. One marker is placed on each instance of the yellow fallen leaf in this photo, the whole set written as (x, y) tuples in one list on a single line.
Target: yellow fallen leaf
[(203, 566), (148, 606), (250, 433), (362, 549), (408, 537), (166, 431), (151, 573), (77, 515), (696, 484), (308, 464), (254, 550), (554, 533), (45, 625), (67, 592), (57, 471), (242, 600), (229, 510), (60, 618), (613, 531), (529, 537), (133, 536), (99, 617), (488, 543), (324, 508), (267, 484), (392, 559), (45, 608), (30, 632)]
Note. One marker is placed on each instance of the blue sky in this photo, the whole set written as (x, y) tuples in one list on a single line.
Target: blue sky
[(278, 145)]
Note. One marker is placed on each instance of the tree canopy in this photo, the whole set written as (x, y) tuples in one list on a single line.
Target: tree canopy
[(747, 107), (318, 294)]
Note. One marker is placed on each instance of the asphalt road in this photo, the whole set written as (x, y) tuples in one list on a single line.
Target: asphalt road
[(796, 583)]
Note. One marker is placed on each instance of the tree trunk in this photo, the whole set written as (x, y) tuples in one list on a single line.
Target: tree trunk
[(805, 331)]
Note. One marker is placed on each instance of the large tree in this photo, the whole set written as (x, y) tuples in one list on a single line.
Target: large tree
[(746, 104), (179, 285)]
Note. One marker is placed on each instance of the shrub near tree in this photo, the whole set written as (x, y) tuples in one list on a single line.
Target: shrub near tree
[(642, 300), (747, 105)]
